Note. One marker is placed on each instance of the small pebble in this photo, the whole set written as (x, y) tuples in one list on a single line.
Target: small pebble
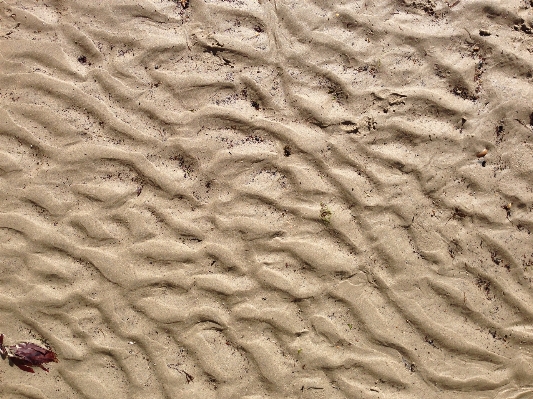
[(481, 154)]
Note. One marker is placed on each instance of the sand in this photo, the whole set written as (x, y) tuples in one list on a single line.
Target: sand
[(268, 199)]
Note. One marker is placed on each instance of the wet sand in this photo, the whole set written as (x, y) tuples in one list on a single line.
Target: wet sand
[(268, 199)]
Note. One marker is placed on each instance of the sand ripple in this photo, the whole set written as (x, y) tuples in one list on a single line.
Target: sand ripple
[(275, 199)]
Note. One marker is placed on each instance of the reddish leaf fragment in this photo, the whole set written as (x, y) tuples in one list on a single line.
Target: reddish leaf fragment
[(26, 355)]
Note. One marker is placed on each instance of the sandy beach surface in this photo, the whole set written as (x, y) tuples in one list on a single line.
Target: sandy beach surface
[(268, 198)]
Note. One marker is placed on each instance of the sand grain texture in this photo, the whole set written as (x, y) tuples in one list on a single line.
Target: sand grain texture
[(268, 199)]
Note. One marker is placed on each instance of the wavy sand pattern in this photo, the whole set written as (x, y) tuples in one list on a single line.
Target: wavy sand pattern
[(268, 199)]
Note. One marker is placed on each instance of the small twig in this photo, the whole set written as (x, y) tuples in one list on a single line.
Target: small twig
[(188, 377)]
